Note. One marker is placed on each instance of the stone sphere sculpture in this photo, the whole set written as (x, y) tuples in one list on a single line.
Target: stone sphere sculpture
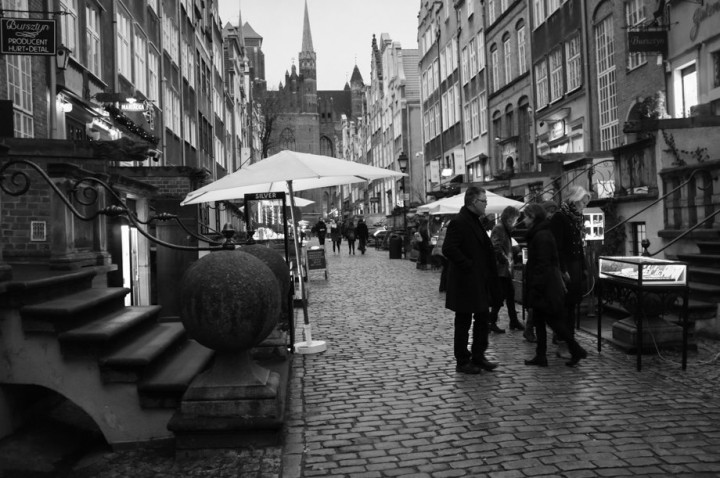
[(274, 260), (229, 301)]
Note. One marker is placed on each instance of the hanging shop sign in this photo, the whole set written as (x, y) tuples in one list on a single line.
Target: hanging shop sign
[(646, 41), (23, 36), (135, 106)]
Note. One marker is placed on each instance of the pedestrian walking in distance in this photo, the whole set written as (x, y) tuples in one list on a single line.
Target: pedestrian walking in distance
[(471, 271), (501, 238), (321, 230), (335, 236), (350, 236), (546, 289), (362, 233)]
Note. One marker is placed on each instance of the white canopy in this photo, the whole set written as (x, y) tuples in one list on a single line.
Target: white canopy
[(452, 204)]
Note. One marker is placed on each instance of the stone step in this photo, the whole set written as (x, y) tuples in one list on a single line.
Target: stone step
[(164, 386), (127, 362), (108, 327), (62, 313), (33, 284), (702, 260), (709, 247), (704, 274)]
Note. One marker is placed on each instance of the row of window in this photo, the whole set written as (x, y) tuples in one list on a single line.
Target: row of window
[(473, 57), (438, 118), (496, 8), (19, 80), (557, 75), (544, 8), (514, 57), (475, 117)]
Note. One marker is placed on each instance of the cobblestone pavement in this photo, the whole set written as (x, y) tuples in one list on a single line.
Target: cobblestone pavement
[(384, 399)]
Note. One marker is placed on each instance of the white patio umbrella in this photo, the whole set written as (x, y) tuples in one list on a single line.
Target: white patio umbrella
[(452, 204), (299, 202), (289, 171)]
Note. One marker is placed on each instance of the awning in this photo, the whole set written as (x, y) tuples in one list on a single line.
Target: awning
[(476, 159)]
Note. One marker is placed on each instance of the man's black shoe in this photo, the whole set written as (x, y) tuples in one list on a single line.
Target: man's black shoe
[(468, 368), (516, 325), (496, 329), (537, 360), (485, 364)]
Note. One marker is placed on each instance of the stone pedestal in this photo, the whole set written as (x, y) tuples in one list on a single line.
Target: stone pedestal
[(235, 403), (657, 333), (230, 302)]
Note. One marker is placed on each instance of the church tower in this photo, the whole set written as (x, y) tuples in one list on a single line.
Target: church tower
[(308, 71), (357, 94)]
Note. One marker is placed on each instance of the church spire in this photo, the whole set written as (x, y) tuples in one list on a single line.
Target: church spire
[(307, 45), (306, 59)]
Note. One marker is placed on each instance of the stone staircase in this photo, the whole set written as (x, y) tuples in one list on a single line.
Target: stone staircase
[(126, 367), (704, 283)]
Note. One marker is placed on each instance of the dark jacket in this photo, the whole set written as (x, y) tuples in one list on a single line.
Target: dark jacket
[(471, 264), (362, 231), (571, 254), (502, 243), (543, 283), (320, 228)]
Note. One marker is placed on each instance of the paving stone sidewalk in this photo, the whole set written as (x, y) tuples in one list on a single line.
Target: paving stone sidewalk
[(384, 399)]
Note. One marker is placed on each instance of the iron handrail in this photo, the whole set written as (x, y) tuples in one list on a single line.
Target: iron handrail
[(20, 181)]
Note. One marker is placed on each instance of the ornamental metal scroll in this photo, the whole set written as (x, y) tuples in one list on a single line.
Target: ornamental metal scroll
[(85, 191)]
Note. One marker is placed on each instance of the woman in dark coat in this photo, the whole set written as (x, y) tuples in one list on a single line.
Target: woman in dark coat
[(471, 271), (567, 226), (362, 233), (545, 293)]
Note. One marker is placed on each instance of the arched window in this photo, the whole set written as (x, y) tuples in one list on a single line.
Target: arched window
[(507, 58), (326, 146), (522, 47), (509, 121), (495, 67), (287, 139)]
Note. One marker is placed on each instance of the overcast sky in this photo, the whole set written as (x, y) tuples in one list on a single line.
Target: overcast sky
[(342, 33)]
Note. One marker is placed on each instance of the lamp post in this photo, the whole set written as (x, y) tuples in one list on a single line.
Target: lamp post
[(403, 165)]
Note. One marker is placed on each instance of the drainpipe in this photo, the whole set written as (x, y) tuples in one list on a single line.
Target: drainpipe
[(586, 73)]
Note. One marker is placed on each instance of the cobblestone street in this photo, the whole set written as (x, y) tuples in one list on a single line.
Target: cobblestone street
[(384, 399)]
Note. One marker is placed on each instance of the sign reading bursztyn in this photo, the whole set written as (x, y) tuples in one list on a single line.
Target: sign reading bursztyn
[(24, 36)]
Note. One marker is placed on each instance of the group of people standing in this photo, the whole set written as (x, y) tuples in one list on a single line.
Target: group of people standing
[(343, 229), (479, 276)]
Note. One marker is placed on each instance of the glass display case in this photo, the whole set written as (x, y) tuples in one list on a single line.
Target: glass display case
[(643, 271)]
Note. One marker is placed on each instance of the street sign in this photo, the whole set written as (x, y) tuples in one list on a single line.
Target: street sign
[(648, 41), (137, 106), (23, 36)]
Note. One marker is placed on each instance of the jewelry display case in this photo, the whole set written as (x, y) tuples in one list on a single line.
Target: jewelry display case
[(643, 271), (647, 285)]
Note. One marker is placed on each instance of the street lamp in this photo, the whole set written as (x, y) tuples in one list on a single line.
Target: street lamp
[(403, 165), (62, 57)]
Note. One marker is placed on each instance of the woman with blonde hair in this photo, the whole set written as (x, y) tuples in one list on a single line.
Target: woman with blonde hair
[(568, 228)]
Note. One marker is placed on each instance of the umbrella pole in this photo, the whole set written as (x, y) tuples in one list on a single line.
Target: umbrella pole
[(309, 346)]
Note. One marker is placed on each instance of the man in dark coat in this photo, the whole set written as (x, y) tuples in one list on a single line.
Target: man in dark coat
[(362, 233), (471, 272), (321, 230)]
